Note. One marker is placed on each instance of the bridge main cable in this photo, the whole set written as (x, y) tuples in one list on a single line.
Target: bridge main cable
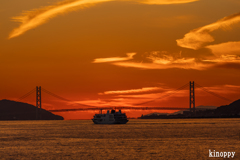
[(27, 94), (214, 94), (64, 99), (164, 96)]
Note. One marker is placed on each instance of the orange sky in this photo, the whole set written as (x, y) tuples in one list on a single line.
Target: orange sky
[(119, 53)]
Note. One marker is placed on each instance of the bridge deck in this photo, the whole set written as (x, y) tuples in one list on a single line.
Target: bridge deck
[(109, 108)]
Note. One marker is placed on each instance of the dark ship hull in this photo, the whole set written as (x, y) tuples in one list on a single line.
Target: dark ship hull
[(115, 122)]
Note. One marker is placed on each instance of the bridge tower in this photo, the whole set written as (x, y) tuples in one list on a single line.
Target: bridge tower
[(192, 97), (38, 102)]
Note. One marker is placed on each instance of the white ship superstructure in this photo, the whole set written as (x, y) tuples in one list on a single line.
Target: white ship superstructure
[(110, 118)]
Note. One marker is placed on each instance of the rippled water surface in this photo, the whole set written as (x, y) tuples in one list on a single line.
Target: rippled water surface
[(138, 139)]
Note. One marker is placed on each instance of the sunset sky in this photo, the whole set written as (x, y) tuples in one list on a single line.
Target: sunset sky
[(119, 52)]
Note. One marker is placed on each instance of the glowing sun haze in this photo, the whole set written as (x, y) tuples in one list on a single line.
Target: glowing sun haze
[(108, 53)]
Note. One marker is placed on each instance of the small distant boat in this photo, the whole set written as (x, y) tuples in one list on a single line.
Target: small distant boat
[(110, 118)]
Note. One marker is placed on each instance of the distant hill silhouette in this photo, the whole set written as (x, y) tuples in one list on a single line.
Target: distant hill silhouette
[(198, 108), (228, 111), (12, 110), (154, 115), (231, 109)]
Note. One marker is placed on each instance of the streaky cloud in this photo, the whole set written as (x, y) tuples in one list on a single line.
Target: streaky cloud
[(225, 59), (129, 100), (162, 60), (195, 66), (162, 2), (37, 17), (109, 102), (168, 60), (228, 61), (231, 48), (114, 59), (34, 18), (223, 89), (141, 90), (197, 38), (159, 60)]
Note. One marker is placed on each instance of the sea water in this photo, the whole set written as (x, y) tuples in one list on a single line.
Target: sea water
[(138, 139)]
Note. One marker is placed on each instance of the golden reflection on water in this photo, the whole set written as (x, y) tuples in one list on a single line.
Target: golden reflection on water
[(138, 139)]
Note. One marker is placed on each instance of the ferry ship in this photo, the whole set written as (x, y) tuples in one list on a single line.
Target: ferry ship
[(110, 118)]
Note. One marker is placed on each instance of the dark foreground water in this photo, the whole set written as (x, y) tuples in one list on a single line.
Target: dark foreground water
[(138, 139)]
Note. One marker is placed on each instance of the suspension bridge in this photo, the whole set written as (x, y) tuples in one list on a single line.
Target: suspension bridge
[(138, 106)]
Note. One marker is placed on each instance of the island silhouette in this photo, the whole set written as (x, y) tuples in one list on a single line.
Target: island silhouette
[(12, 110), (227, 111)]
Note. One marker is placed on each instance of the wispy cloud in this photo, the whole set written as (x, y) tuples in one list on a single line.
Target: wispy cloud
[(150, 96), (131, 97), (141, 90), (162, 2), (164, 60), (157, 60), (34, 18), (164, 96), (224, 90), (196, 66), (168, 59), (198, 38), (94, 102), (111, 102), (114, 59), (225, 59), (227, 54), (232, 48)]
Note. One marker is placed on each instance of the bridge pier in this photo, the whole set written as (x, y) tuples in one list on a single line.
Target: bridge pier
[(38, 102), (192, 97)]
